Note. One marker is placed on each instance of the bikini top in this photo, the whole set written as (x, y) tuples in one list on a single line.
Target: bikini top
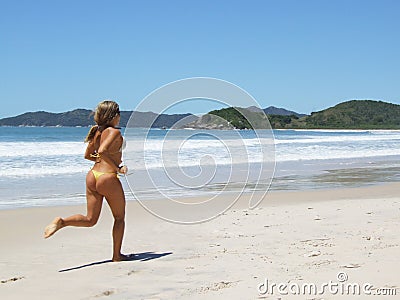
[(123, 146)]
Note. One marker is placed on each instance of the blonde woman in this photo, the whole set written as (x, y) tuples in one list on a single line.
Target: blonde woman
[(104, 148)]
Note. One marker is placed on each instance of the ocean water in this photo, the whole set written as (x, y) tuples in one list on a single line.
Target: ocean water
[(44, 166)]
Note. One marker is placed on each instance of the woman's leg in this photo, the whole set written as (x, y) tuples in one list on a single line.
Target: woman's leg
[(110, 186), (94, 203)]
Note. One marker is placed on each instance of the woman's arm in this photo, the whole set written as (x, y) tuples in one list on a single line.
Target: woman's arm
[(90, 150)]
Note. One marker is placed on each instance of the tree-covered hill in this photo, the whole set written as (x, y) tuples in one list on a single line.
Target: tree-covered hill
[(355, 114), (277, 111), (84, 117), (77, 117), (242, 118)]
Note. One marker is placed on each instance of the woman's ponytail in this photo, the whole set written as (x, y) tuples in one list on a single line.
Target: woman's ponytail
[(91, 133)]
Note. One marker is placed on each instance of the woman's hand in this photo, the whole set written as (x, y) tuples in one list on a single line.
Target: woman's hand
[(123, 170)]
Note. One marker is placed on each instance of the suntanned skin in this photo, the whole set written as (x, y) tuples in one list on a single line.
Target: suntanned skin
[(108, 185)]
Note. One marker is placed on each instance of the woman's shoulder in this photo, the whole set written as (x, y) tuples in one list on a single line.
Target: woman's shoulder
[(112, 131)]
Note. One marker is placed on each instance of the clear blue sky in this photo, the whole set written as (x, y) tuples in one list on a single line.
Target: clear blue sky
[(301, 55)]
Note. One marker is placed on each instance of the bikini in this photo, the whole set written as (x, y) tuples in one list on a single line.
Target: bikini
[(97, 174)]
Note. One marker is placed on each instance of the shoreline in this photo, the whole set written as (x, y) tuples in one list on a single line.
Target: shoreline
[(289, 177), (271, 195), (292, 236)]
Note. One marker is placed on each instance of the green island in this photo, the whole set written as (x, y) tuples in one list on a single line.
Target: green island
[(354, 114)]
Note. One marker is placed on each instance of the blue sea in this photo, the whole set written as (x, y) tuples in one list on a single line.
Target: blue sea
[(44, 166)]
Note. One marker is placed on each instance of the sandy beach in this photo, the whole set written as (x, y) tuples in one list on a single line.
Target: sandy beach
[(292, 238)]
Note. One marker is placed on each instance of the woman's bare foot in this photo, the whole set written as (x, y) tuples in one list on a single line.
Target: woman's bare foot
[(53, 227), (122, 257)]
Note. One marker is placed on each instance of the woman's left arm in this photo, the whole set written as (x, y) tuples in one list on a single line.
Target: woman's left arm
[(90, 150)]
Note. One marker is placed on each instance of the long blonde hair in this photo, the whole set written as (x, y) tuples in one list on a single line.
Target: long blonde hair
[(105, 112)]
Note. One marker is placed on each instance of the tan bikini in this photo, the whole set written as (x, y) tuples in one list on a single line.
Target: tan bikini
[(97, 174)]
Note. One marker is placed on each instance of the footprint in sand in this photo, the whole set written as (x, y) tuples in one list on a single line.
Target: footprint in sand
[(12, 279), (312, 254), (351, 266), (105, 293)]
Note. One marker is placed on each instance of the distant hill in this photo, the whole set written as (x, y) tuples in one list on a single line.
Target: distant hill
[(231, 118), (272, 110), (147, 119), (207, 121), (84, 118), (355, 114), (77, 117)]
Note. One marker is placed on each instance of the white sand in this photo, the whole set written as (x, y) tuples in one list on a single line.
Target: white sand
[(292, 238)]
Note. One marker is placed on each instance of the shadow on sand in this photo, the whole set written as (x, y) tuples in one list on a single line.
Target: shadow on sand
[(144, 256)]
